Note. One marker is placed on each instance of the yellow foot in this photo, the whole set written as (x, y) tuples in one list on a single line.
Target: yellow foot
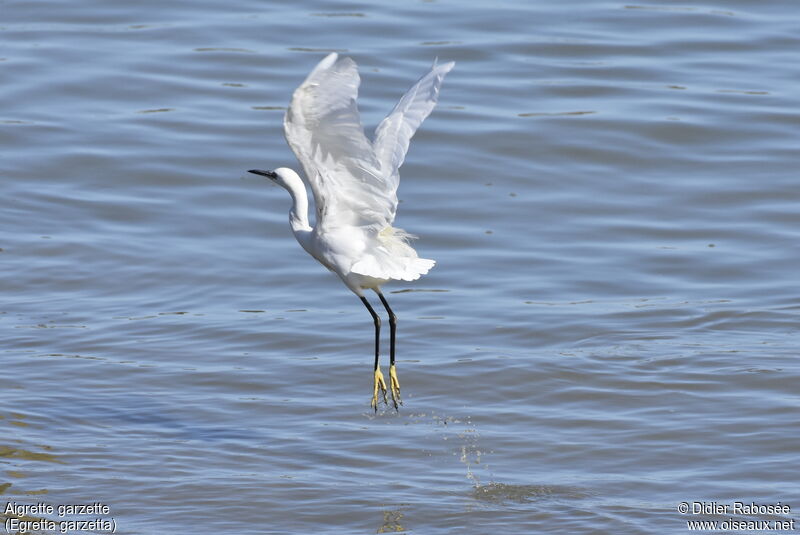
[(379, 386), (395, 384)]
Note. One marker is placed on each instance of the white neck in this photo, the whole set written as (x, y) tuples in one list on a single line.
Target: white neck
[(298, 215)]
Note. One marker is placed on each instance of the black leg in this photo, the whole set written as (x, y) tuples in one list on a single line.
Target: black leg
[(392, 327), (377, 320), (394, 383), (379, 385)]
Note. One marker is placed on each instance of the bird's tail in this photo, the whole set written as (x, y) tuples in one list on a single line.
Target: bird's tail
[(393, 258)]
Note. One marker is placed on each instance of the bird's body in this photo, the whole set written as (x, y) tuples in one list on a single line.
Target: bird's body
[(354, 183)]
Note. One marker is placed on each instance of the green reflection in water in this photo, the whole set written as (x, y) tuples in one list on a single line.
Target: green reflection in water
[(19, 453), (392, 522)]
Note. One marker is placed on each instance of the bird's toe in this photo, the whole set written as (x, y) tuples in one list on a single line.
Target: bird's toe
[(394, 383), (379, 388)]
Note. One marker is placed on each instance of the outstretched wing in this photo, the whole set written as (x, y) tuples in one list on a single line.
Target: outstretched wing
[(323, 128), (394, 133)]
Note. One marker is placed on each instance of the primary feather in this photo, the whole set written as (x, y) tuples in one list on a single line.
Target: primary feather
[(394, 133)]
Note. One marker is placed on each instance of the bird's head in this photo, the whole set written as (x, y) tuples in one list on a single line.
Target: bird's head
[(283, 176)]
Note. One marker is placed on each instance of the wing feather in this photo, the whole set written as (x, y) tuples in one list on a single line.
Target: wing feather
[(323, 128), (394, 134)]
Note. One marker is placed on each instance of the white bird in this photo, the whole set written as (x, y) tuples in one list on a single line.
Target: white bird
[(354, 182)]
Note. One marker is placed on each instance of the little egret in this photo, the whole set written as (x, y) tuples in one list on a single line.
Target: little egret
[(354, 183)]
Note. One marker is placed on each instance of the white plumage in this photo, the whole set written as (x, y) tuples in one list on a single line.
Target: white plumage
[(354, 181)]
